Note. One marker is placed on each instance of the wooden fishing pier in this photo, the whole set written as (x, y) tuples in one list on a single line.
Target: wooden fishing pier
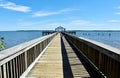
[(60, 55)]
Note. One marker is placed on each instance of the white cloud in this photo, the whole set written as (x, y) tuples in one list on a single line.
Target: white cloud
[(70, 24), (29, 23), (44, 13), (118, 13), (114, 21), (118, 7), (80, 22), (13, 6)]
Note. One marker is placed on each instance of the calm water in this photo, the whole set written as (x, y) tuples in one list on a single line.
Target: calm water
[(13, 38), (111, 38)]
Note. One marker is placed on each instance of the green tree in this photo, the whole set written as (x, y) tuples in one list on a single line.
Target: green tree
[(2, 43)]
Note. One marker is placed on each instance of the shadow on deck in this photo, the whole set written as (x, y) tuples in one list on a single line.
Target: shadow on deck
[(67, 66)]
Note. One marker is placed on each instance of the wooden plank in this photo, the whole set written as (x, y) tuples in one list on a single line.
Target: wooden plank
[(77, 68), (50, 64)]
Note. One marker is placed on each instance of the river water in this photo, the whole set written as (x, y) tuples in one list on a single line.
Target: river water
[(111, 38), (13, 38)]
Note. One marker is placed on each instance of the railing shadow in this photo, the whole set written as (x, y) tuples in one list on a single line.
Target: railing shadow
[(66, 65), (90, 69)]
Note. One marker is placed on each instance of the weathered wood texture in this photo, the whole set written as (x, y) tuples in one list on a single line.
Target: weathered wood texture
[(104, 57), (50, 64), (58, 63), (77, 68), (14, 61)]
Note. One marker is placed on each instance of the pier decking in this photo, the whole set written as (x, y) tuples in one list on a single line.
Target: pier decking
[(58, 63), (50, 64), (60, 55)]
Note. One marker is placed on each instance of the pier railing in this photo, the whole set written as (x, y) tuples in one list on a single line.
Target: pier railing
[(103, 57), (14, 61)]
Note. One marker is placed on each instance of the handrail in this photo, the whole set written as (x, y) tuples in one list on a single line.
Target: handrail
[(24, 46), (14, 61), (106, 58)]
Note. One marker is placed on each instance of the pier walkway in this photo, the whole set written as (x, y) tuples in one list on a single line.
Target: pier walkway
[(58, 62), (60, 55), (50, 64)]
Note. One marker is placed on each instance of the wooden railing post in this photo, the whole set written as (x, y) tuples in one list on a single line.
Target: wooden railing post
[(0, 73), (17, 59), (104, 57)]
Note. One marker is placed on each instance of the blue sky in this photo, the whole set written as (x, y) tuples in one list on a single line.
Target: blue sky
[(49, 14)]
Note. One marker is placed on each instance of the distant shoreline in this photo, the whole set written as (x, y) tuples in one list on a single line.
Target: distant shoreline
[(67, 30), (73, 30)]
